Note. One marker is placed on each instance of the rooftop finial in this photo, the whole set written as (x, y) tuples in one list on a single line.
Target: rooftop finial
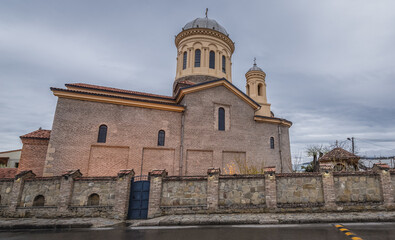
[(254, 61), (206, 12)]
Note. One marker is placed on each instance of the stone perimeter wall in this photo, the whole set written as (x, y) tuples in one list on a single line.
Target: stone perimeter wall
[(67, 195)]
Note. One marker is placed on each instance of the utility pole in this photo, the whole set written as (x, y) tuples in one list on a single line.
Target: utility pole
[(352, 144)]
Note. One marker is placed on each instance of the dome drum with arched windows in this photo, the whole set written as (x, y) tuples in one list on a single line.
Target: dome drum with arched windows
[(204, 52)]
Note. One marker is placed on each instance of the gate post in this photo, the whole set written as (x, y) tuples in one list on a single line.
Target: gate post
[(328, 186), (212, 188), (270, 188), (66, 190), (156, 178), (385, 182), (122, 193), (16, 192)]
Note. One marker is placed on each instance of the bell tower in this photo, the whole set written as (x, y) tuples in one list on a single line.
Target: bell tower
[(256, 89)]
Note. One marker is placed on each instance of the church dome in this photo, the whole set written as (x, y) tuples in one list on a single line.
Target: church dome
[(255, 68), (205, 23)]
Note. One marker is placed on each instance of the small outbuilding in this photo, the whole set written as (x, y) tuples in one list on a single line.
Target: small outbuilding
[(340, 160)]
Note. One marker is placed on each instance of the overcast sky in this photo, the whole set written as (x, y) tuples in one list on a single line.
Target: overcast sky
[(330, 64)]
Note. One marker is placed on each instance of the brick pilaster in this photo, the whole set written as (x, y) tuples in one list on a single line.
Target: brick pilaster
[(122, 193), (17, 188), (270, 188), (66, 189), (212, 188), (156, 179), (385, 182), (328, 186)]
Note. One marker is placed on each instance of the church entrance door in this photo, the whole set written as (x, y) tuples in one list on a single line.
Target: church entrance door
[(139, 195)]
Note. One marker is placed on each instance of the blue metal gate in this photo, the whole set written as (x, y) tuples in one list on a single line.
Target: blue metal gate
[(139, 195)]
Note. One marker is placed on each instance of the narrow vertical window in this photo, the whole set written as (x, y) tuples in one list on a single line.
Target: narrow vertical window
[(184, 61), (161, 138), (260, 89), (221, 119), (197, 58), (248, 89), (223, 64), (102, 134), (212, 60), (272, 142)]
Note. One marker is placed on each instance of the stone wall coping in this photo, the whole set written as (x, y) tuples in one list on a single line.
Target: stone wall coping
[(38, 179), (308, 174), (37, 207), (185, 206), (367, 173), (300, 205), (86, 179), (185, 178), (97, 207), (359, 203), (241, 176), (7, 179)]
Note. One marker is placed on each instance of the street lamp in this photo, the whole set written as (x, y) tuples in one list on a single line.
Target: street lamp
[(352, 142)]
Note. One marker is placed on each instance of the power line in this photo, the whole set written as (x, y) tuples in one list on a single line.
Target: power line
[(367, 141)]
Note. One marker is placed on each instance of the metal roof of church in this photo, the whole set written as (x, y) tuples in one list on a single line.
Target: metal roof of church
[(206, 23)]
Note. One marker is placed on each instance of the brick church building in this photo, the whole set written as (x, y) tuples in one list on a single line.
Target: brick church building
[(207, 122)]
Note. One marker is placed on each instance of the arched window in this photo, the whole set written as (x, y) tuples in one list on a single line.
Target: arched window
[(93, 200), (272, 142), (339, 167), (102, 134), (161, 138), (39, 201), (197, 58), (248, 89), (260, 89), (184, 61), (221, 119), (223, 64), (212, 60)]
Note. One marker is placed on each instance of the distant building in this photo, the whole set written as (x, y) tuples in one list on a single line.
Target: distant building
[(10, 159), (340, 160)]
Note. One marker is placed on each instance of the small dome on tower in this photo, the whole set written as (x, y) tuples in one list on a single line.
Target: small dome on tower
[(205, 23), (255, 67)]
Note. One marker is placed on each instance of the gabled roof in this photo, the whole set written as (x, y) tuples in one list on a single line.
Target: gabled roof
[(215, 83), (38, 134), (84, 86), (338, 154)]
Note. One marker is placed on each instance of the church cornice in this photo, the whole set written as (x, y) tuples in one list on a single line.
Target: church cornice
[(205, 31), (273, 120), (215, 83), (118, 100)]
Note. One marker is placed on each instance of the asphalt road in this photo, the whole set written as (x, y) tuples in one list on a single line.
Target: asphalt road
[(366, 231)]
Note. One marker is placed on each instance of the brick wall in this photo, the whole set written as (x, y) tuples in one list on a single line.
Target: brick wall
[(33, 155)]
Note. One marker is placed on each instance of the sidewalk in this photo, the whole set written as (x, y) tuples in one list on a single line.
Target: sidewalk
[(265, 218), (61, 223)]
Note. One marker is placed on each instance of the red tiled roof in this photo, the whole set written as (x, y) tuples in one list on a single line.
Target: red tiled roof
[(117, 90), (338, 154), (41, 134), (8, 172)]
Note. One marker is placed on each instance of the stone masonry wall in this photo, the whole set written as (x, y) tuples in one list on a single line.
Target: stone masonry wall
[(393, 183), (5, 192), (241, 192), (187, 192), (357, 188), (83, 188), (48, 187), (299, 190)]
